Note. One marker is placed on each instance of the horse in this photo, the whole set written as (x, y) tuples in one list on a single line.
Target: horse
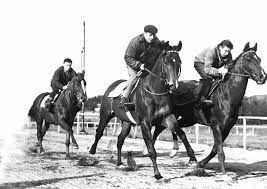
[(63, 113), (152, 105), (227, 98)]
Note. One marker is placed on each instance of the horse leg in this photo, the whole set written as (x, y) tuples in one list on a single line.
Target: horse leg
[(69, 132), (175, 147), (39, 134), (74, 142), (104, 119), (189, 150), (214, 151), (44, 128), (125, 130), (67, 142), (156, 133), (172, 124), (146, 132)]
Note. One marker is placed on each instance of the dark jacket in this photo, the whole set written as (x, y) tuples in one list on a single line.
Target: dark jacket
[(60, 78), (212, 61), (140, 52)]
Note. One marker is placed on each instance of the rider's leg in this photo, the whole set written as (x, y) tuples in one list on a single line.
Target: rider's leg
[(206, 83), (50, 98), (130, 84)]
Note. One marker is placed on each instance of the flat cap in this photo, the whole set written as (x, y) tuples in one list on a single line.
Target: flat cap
[(67, 60), (151, 29)]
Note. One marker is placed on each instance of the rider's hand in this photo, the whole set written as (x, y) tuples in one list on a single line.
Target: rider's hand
[(142, 67), (222, 70), (65, 87)]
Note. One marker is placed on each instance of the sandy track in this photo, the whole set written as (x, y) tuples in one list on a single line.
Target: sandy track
[(25, 168)]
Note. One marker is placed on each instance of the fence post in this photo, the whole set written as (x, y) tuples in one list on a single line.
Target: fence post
[(78, 122), (244, 133), (196, 132), (58, 128), (114, 126)]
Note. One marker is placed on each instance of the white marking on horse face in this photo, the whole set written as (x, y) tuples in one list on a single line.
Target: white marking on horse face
[(173, 59), (83, 86)]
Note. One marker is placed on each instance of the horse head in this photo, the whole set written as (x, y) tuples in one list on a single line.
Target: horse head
[(171, 65), (249, 64), (77, 86)]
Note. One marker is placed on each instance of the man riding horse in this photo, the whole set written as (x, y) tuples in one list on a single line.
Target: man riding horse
[(211, 64), (62, 76), (142, 52)]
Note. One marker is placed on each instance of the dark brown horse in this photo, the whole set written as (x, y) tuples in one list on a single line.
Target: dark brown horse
[(63, 112), (227, 98), (152, 103)]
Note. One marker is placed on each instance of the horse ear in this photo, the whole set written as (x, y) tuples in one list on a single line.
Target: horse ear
[(255, 47), (179, 46), (246, 48)]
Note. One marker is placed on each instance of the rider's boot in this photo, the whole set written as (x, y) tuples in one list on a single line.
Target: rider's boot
[(204, 101)]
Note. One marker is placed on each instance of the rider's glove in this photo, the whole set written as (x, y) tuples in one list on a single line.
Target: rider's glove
[(142, 67), (222, 70)]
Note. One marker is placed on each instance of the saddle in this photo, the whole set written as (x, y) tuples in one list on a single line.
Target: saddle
[(50, 106), (191, 92)]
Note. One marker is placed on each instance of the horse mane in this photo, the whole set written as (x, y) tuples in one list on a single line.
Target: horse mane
[(232, 64)]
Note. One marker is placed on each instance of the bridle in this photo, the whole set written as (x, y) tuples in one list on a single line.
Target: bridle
[(247, 74), (163, 78)]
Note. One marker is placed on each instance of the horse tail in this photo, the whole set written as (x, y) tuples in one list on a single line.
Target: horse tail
[(34, 110)]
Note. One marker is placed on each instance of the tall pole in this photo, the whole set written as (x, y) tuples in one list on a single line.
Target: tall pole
[(82, 131)]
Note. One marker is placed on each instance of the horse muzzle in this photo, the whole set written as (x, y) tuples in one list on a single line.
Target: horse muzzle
[(262, 79)]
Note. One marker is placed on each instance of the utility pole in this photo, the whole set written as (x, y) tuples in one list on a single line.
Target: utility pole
[(82, 131)]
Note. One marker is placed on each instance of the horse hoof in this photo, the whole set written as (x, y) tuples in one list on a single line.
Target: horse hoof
[(92, 151), (121, 166), (42, 152), (173, 153), (158, 177), (163, 180), (67, 157), (200, 165)]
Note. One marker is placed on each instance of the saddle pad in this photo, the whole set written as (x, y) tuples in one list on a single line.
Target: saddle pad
[(118, 90), (42, 105)]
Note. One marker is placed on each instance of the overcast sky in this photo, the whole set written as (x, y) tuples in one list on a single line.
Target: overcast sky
[(36, 36)]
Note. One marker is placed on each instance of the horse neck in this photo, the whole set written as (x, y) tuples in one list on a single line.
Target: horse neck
[(236, 84), (155, 83), (69, 96)]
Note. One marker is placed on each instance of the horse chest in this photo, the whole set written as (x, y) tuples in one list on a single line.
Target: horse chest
[(162, 110)]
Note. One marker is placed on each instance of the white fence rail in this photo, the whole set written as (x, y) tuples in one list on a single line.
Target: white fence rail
[(93, 119)]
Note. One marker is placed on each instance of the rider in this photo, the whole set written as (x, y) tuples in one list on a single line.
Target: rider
[(142, 52), (213, 63), (60, 79)]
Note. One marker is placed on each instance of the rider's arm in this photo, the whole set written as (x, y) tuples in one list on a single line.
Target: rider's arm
[(55, 80), (208, 68), (131, 53)]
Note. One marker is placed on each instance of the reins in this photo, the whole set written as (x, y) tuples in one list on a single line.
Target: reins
[(162, 79), (242, 75)]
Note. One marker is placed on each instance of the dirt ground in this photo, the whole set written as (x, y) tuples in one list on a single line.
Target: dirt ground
[(23, 167)]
